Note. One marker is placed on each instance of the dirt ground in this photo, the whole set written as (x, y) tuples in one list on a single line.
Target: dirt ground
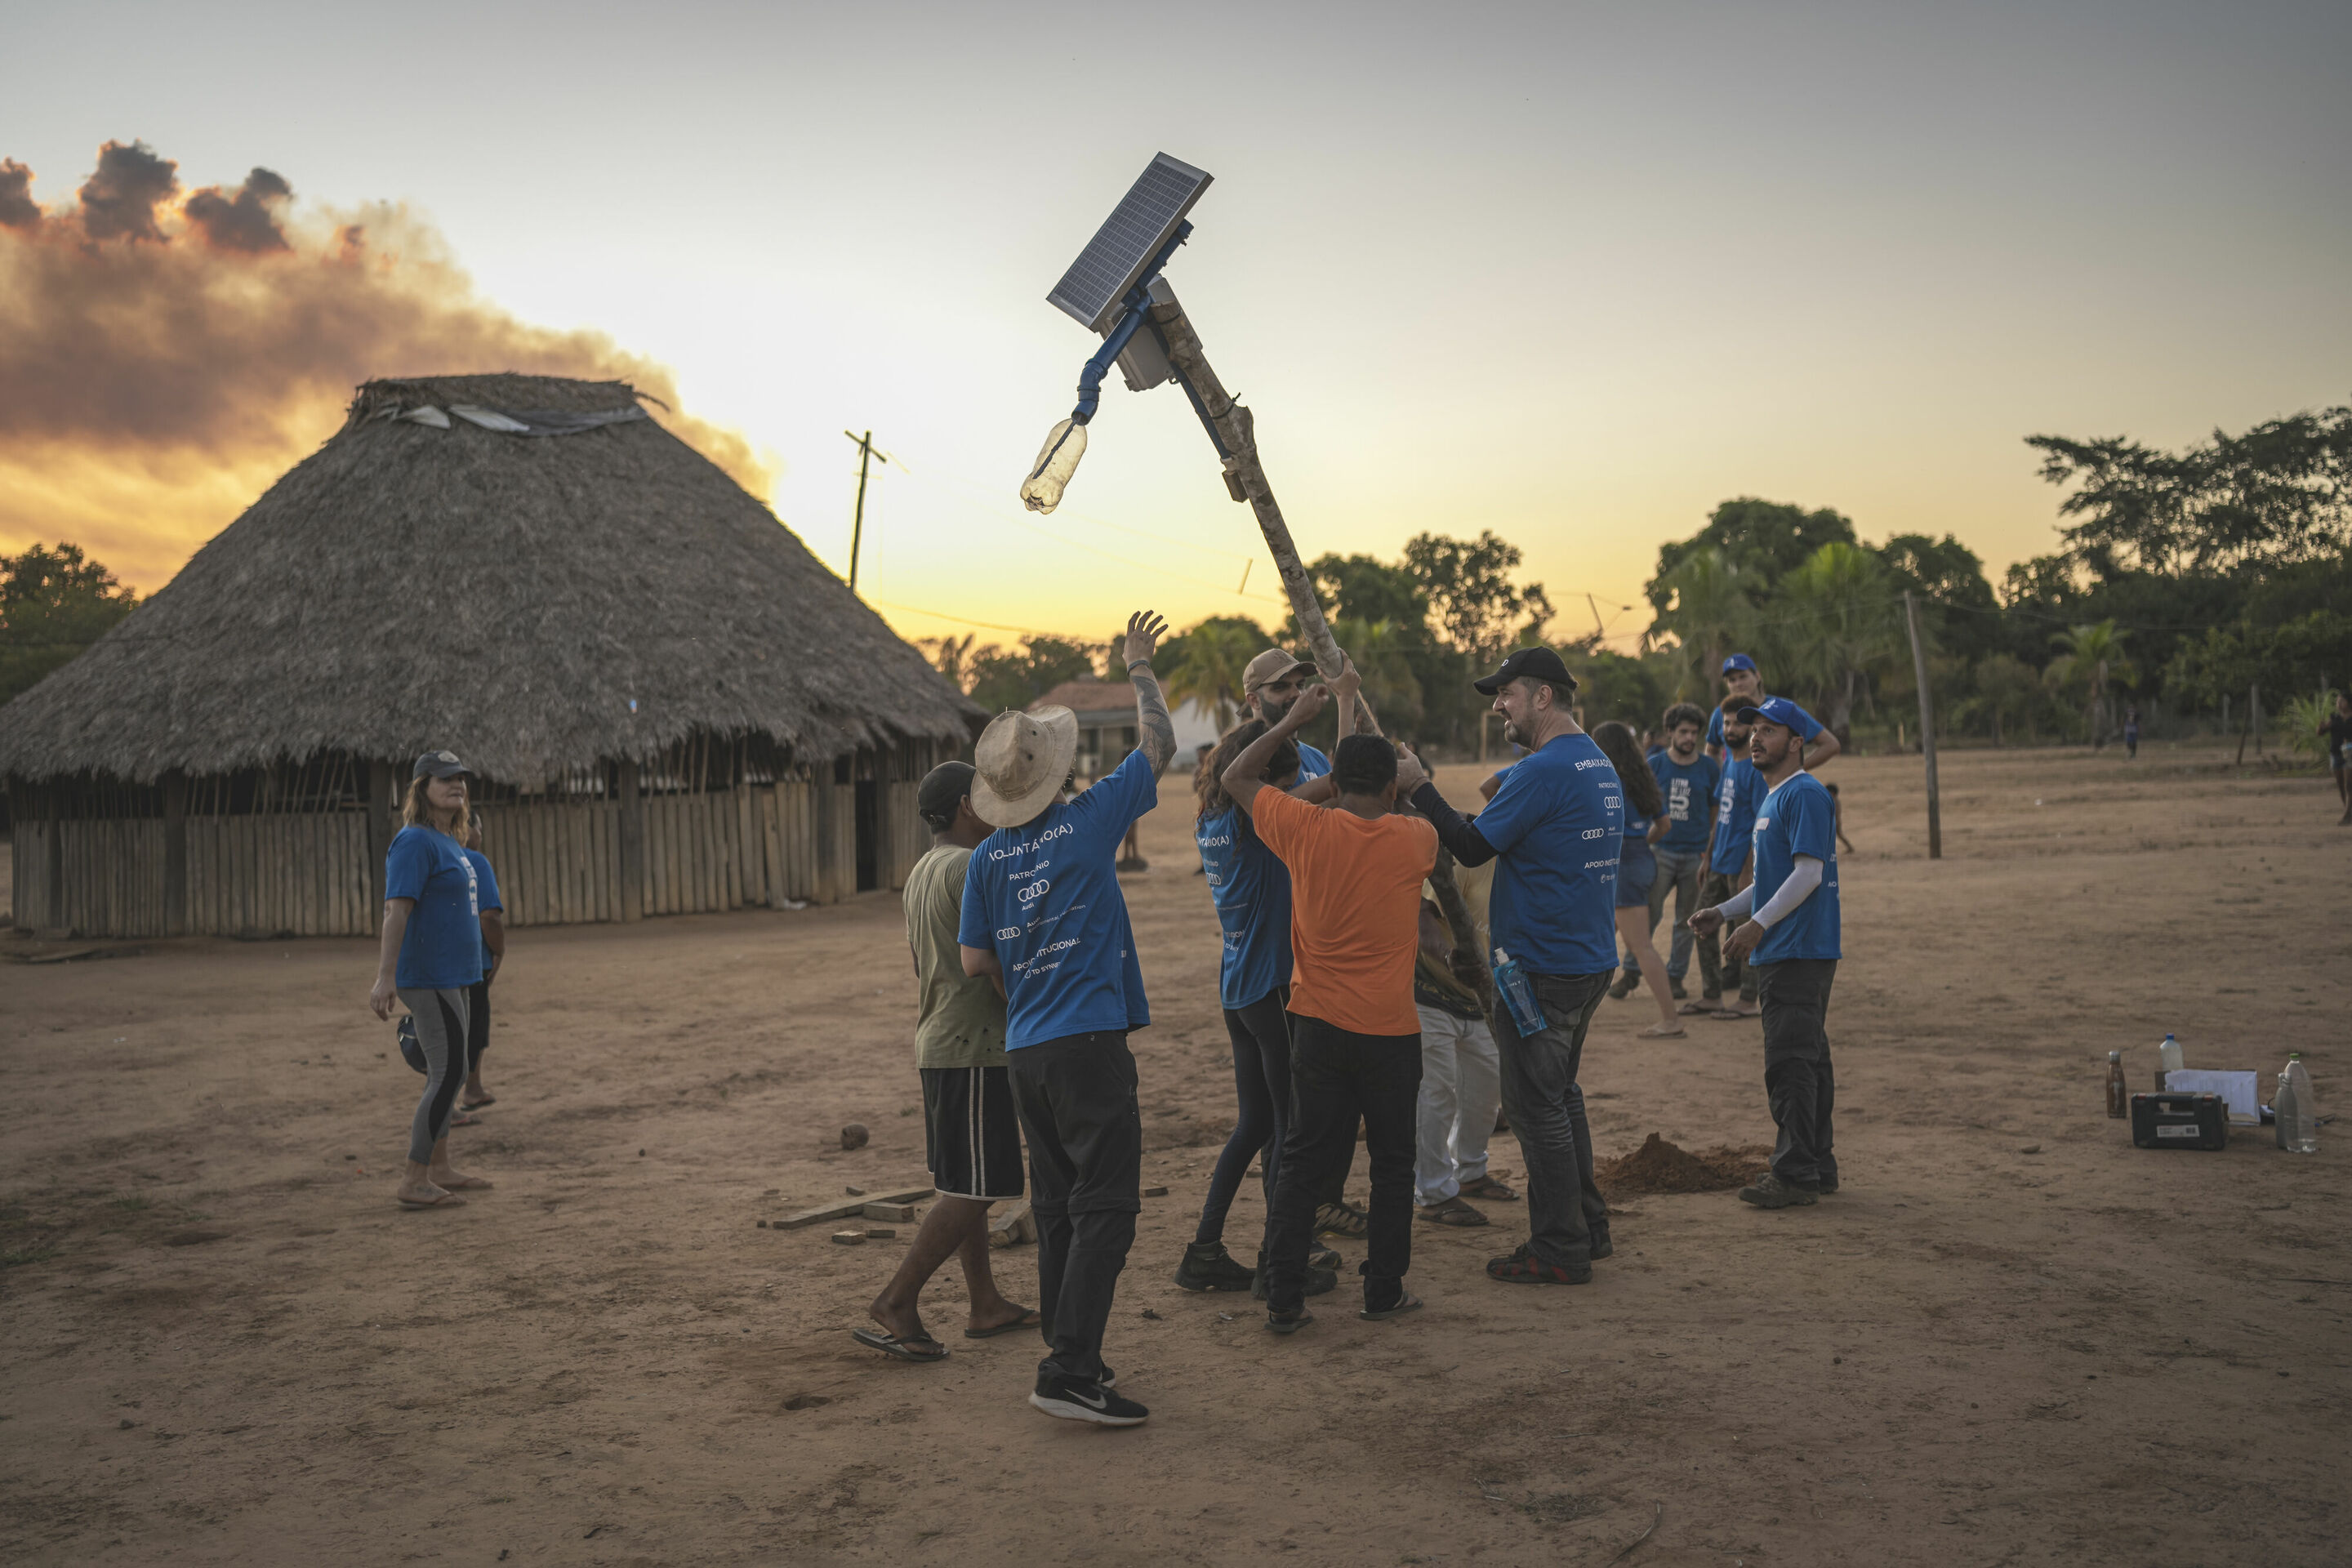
[(2011, 1339)]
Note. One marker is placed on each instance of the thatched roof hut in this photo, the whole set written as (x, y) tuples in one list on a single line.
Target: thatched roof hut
[(528, 571)]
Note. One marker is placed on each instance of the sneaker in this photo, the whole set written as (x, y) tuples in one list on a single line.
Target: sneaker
[(1626, 980), (1770, 1191), (1674, 989), (1342, 1218), (1524, 1267), (1207, 1265), (1601, 1244), (1291, 1324), (1827, 1186), (1318, 1281), (1073, 1400)]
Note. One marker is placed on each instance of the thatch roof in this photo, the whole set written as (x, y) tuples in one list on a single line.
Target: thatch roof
[(408, 586)]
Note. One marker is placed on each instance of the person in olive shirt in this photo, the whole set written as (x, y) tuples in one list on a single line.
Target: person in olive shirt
[(972, 1131)]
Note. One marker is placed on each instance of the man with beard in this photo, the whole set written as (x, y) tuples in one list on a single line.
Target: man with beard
[(1741, 792)]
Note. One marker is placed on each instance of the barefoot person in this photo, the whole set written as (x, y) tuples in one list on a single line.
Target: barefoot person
[(1555, 821), (431, 954), (1043, 916), (1735, 819), (1356, 874), (970, 1127), (1788, 920), (1645, 823)]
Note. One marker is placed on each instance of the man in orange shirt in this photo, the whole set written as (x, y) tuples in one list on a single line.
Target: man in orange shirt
[(1356, 871)]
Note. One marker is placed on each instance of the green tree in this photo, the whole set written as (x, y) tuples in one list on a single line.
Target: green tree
[(2008, 692), (1467, 583), (1706, 614), (1836, 623), (1005, 678), (53, 604), (1763, 539), (948, 655), (2091, 656), (1205, 664)]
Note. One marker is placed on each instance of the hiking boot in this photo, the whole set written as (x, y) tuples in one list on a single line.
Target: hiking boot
[(1524, 1267), (1074, 1399), (1674, 989), (1342, 1218), (1770, 1191), (1626, 980), (1207, 1265)]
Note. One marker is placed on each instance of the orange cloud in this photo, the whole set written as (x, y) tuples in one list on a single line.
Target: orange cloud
[(163, 357)]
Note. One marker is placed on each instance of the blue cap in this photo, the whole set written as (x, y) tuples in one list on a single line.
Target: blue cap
[(1738, 662), (1787, 715)]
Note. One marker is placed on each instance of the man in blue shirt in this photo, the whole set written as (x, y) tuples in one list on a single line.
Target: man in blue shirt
[(1736, 798), (1687, 782), (1044, 919), (1554, 822), (1742, 679), (1789, 920)]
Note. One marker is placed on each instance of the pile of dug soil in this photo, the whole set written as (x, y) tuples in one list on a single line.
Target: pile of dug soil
[(1658, 1166)]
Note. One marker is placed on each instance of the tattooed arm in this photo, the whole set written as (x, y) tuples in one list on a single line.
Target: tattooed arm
[(1144, 631)]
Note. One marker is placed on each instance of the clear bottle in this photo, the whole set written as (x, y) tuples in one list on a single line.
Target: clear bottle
[(2297, 1117), (2118, 1097), (1057, 461), (1518, 995), (2168, 1059)]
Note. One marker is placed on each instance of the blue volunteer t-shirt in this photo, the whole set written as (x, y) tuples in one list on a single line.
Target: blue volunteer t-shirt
[(1689, 789), (1251, 887), (1312, 764), (443, 948), (485, 884), (1797, 817), (1045, 897), (1635, 861), (1736, 799), (1555, 824)]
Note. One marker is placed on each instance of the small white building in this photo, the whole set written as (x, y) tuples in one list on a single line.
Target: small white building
[(1108, 729)]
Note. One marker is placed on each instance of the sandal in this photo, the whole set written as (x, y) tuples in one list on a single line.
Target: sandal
[(1288, 1323), (1453, 1211), (1342, 1218), (1491, 1188), (1027, 1320), (465, 1119), (478, 1104), (1692, 1009), (900, 1347), (445, 1201), (1406, 1303), (1660, 1032)]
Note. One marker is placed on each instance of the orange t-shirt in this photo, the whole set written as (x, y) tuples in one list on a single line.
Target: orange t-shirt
[(1355, 909)]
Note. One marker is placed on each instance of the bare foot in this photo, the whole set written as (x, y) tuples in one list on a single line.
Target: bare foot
[(457, 1180), (904, 1323), (998, 1319), (425, 1195)]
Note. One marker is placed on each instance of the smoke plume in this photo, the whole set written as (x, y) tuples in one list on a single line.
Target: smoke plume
[(164, 356)]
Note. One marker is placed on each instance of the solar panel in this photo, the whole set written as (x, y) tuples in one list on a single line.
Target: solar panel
[(1113, 262)]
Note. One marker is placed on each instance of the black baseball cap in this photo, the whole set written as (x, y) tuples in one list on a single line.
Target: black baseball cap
[(440, 766), (942, 788), (1527, 664)]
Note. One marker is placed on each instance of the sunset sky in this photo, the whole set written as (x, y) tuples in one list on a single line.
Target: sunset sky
[(1571, 273)]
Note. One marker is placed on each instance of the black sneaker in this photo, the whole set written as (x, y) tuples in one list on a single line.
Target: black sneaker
[(1524, 1267), (1674, 989), (1322, 1257), (1074, 1400), (1770, 1191), (1827, 1185), (1600, 1244), (1626, 980), (1209, 1266)]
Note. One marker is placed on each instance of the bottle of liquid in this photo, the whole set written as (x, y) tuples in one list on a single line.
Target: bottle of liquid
[(2118, 1097), (1518, 995), (2297, 1117), (1057, 461), (2168, 1058)]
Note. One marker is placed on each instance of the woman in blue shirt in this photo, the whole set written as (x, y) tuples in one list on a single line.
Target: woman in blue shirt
[(430, 955), (1637, 866)]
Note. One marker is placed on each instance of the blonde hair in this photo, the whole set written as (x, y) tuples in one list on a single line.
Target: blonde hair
[(415, 811)]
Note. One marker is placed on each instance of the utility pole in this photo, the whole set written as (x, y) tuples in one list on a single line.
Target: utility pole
[(1926, 727), (866, 453)]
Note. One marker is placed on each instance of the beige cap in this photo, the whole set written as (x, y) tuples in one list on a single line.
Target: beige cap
[(1272, 665), (1019, 764)]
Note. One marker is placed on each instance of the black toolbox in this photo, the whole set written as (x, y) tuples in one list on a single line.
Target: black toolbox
[(2169, 1121)]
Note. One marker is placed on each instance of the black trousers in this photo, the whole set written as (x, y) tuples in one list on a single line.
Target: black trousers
[(1075, 1098), (1798, 1081), (1546, 1105), (1724, 973), (1338, 1077), (1261, 1037)]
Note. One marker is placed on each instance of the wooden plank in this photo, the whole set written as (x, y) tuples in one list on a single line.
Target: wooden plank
[(575, 861), (847, 1207)]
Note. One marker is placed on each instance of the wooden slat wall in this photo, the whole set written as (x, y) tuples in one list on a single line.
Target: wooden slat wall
[(297, 874)]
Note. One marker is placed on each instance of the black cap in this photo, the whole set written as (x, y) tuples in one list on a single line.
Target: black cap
[(439, 765), (942, 788), (1527, 664)]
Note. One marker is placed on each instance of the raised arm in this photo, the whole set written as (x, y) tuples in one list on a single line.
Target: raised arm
[(1456, 832), (1245, 775), (1819, 750), (1144, 631)]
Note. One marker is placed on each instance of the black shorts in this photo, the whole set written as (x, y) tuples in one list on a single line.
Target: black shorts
[(972, 1132)]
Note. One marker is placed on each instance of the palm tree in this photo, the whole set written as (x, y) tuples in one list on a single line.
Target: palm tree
[(1710, 616), (2006, 688), (2093, 655), (1208, 669), (1383, 656), (948, 655), (1837, 624)]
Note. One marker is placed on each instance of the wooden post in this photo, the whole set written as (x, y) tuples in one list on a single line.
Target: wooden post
[(2254, 714), (382, 802), (1234, 428), (1926, 728), (633, 841), (2245, 729), (175, 854)]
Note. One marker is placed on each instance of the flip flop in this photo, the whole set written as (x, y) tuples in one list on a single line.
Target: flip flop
[(465, 1119), (1692, 1009), (478, 1104), (1729, 1013), (1654, 1033), (465, 1185), (1410, 1303), (1027, 1320), (1488, 1187), (445, 1201), (1453, 1211), (900, 1347)]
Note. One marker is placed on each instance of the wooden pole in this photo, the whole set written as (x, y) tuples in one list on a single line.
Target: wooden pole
[(1926, 727), (633, 841), (866, 453), (1235, 432), (175, 853)]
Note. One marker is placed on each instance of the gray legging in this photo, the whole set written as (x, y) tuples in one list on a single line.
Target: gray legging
[(441, 1031)]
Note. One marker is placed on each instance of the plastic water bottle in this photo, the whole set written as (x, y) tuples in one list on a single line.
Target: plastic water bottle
[(2168, 1059), (1518, 995), (2298, 1118), (1057, 461)]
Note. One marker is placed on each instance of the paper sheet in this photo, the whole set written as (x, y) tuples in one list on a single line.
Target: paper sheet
[(2240, 1092)]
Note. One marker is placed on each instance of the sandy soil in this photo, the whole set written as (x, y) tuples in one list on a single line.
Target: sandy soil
[(2012, 1339)]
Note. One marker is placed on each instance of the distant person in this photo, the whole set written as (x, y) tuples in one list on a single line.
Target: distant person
[(1736, 798), (2131, 735), (2338, 728), (972, 1134), (1742, 679), (1839, 801), (1687, 778), (1788, 920), (1637, 869), (430, 957), (1552, 828), (478, 999), (1043, 915), (1461, 1073), (1356, 872)]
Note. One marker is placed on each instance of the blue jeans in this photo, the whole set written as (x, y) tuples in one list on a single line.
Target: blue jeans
[(1546, 1105), (1680, 871)]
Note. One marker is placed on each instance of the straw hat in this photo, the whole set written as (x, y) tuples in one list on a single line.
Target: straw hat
[(1021, 760)]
